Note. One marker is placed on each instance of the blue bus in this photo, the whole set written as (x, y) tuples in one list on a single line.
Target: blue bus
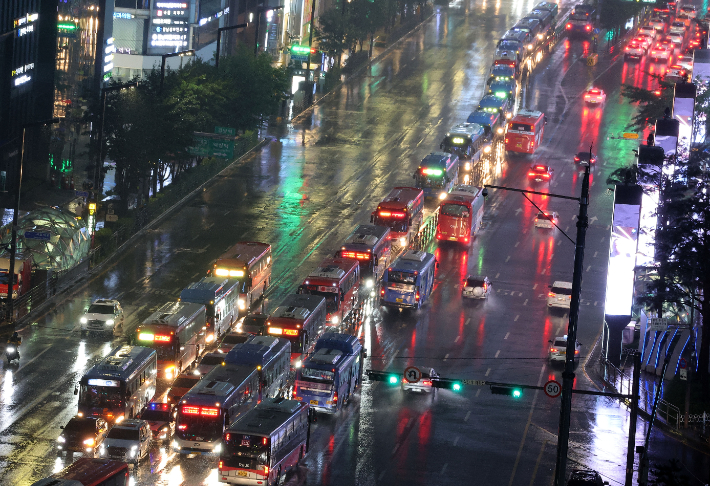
[(120, 385), (409, 281), (219, 295), (437, 174), (330, 376), (219, 398), (272, 358)]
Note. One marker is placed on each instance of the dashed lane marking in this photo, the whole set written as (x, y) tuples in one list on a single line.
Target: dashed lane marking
[(488, 371), (467, 321), (457, 339), (589, 267), (468, 414), (534, 286), (595, 254), (456, 441), (516, 245), (526, 302), (506, 335), (446, 357), (497, 275), (506, 260), (443, 469), (478, 392), (497, 353), (516, 319)]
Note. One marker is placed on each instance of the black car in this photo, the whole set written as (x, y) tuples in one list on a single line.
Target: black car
[(254, 324), (584, 158), (581, 477), (82, 434)]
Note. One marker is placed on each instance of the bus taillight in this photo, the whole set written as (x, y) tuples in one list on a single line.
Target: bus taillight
[(416, 297), (335, 398), (220, 465), (382, 292)]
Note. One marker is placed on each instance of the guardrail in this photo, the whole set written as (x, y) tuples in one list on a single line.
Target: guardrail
[(427, 231)]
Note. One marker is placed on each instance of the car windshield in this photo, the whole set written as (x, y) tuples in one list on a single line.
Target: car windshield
[(561, 291), (120, 433), (545, 216), (474, 282), (455, 210), (561, 342), (583, 155), (212, 360), (81, 426), (156, 415), (100, 309), (321, 376)]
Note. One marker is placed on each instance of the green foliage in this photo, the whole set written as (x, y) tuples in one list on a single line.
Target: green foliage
[(651, 106), (616, 13), (334, 33)]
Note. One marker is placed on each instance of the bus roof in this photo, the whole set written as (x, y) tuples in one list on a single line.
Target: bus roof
[(438, 159), (470, 130), (347, 343), (257, 350), (298, 306), (218, 384), (333, 269), (83, 471), (527, 116), (121, 362), (483, 117), (367, 235), (242, 254), (267, 417), (401, 198), (174, 314), (208, 290), (465, 190), (412, 261)]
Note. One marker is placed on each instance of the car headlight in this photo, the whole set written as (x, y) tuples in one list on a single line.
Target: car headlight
[(110, 322), (10, 349), (61, 439), (402, 241), (83, 320), (442, 196), (242, 304), (196, 372), (89, 442), (509, 115), (298, 363), (369, 283), (334, 319), (102, 451), (500, 129), (487, 149), (175, 445), (217, 449), (467, 166)]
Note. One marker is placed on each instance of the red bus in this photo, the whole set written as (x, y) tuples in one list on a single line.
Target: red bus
[(250, 263), (90, 472), (401, 211), (525, 130), (301, 320), (460, 214), (372, 246), (338, 280)]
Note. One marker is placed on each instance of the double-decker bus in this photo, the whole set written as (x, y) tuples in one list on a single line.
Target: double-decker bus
[(300, 319), (371, 246), (460, 214), (177, 333), (401, 212), (120, 385), (263, 445), (409, 281), (89, 472), (437, 174), (222, 396), (330, 376), (525, 131), (338, 281), (271, 356), (219, 296), (250, 263)]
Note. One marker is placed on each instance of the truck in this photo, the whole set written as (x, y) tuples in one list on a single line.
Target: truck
[(22, 278)]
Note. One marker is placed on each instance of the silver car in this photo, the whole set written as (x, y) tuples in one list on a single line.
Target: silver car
[(558, 349), (128, 441), (424, 384), (208, 361), (476, 287)]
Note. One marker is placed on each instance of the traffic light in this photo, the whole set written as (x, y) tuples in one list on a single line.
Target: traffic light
[(453, 385), (507, 390), (391, 378), (300, 50)]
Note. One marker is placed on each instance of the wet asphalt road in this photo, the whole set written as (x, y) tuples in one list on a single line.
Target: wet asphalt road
[(303, 193)]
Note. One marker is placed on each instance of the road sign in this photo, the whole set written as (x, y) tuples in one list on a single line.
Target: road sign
[(38, 235), (81, 193), (225, 131), (682, 363), (683, 374), (553, 389), (412, 374), (112, 217), (631, 136), (474, 382), (657, 324)]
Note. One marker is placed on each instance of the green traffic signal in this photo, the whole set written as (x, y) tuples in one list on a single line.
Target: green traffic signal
[(517, 393), (456, 387), (393, 379), (507, 390)]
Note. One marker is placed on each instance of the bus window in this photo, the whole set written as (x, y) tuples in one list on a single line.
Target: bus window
[(402, 277)]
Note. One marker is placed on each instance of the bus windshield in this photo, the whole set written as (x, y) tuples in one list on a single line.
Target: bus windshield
[(520, 127), (401, 277), (455, 210), (331, 298), (426, 181), (101, 396), (320, 376), (394, 224), (191, 426), (508, 45), (165, 351), (251, 446)]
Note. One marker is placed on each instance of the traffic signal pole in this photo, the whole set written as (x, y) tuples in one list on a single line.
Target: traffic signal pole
[(633, 419), (568, 374), (309, 92)]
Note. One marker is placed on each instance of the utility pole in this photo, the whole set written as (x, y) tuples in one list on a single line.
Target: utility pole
[(568, 374), (643, 450), (309, 89), (259, 10), (633, 419)]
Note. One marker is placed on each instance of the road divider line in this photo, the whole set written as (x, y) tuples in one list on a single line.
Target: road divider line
[(506, 335), (457, 339), (382, 475), (478, 392), (595, 254), (488, 371), (514, 320), (468, 414), (394, 451), (534, 286), (446, 357), (497, 275), (527, 427), (589, 267), (497, 353), (506, 260), (467, 321), (526, 302), (516, 245), (443, 469)]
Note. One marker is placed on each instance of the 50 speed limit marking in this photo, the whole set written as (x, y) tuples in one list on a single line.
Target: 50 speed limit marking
[(553, 389)]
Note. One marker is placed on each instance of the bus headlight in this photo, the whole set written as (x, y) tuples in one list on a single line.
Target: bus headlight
[(403, 241), (89, 442), (334, 320), (83, 320), (509, 115), (369, 283), (467, 166), (242, 304), (298, 364), (110, 322), (210, 338), (61, 439), (120, 419), (487, 149), (217, 449), (500, 130), (10, 349), (169, 372), (102, 450), (442, 196), (133, 451), (175, 445)]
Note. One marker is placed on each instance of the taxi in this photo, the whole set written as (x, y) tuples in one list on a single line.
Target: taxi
[(634, 50), (660, 52), (540, 173), (546, 220), (594, 96)]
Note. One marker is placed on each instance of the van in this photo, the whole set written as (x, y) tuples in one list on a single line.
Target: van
[(560, 294)]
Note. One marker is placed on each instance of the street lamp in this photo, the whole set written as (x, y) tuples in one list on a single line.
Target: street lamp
[(189, 52), (568, 374), (259, 10), (219, 38), (309, 93), (15, 211)]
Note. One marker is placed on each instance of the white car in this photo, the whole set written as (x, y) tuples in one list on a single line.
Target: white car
[(634, 50), (645, 40), (677, 39), (424, 384), (208, 361), (546, 220), (558, 349), (648, 30), (560, 294), (103, 316), (657, 24), (689, 10), (677, 28), (127, 441), (476, 287), (686, 62), (660, 52)]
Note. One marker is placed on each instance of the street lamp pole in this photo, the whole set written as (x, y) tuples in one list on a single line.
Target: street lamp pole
[(309, 89), (259, 10), (219, 39), (189, 52), (15, 210)]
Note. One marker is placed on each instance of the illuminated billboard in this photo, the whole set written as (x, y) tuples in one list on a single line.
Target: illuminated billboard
[(622, 251)]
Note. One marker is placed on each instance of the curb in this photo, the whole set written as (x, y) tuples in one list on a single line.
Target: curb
[(50, 302), (367, 65)]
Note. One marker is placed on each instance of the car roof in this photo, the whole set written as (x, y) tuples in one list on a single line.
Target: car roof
[(131, 424), (562, 284), (104, 302)]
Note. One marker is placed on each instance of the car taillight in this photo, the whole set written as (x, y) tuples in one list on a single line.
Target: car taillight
[(551, 294), (546, 176), (426, 382), (588, 27), (465, 240), (576, 351), (531, 174), (553, 350), (569, 26), (576, 159), (438, 236)]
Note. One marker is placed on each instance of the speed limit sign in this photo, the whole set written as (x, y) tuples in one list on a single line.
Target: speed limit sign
[(553, 389)]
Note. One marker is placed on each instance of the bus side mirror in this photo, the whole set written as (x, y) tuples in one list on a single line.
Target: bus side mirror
[(545, 120), (372, 218)]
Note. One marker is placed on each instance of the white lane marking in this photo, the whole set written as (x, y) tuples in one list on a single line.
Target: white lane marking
[(467, 321), (602, 240), (534, 286), (595, 254), (446, 357), (468, 414), (516, 245), (506, 335), (394, 451), (488, 371), (497, 353), (567, 228), (497, 275), (443, 469), (457, 339), (478, 392), (574, 216), (456, 440), (595, 303), (527, 426), (526, 302), (516, 318), (589, 267), (196, 275), (506, 260)]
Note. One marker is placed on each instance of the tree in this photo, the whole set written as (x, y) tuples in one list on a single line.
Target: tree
[(333, 33), (367, 17), (652, 103)]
